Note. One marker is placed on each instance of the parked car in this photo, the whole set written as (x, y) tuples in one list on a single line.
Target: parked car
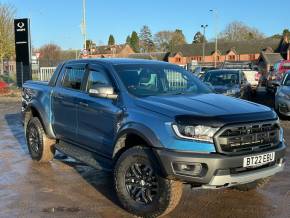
[(200, 71), (155, 125), (262, 80), (253, 77), (275, 76), (229, 82), (4, 87), (273, 79), (282, 66), (282, 97)]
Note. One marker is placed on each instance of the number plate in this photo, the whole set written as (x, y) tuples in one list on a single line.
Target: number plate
[(259, 160)]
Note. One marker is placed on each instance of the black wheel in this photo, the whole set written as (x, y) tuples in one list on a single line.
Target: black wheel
[(253, 185), (140, 187), (39, 145)]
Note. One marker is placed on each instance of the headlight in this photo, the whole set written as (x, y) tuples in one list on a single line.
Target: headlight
[(284, 95), (201, 133)]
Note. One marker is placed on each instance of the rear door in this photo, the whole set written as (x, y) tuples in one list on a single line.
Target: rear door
[(64, 104)]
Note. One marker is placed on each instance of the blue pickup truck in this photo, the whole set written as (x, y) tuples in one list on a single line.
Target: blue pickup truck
[(155, 125)]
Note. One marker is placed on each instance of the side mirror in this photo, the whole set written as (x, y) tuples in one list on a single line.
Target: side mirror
[(103, 91)]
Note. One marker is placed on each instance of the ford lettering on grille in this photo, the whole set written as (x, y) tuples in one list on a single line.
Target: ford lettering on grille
[(244, 138)]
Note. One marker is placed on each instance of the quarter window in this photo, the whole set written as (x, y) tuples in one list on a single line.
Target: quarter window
[(73, 77)]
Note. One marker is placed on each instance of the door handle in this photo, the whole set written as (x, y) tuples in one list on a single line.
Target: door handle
[(58, 96), (83, 104)]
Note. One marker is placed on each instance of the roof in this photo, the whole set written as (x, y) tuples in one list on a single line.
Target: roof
[(116, 61), (108, 49), (241, 47), (271, 58), (224, 70), (161, 56)]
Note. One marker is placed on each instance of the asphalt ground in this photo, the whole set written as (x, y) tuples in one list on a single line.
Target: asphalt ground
[(68, 188)]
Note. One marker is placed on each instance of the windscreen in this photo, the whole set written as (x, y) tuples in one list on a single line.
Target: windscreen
[(159, 79), (222, 78), (286, 81)]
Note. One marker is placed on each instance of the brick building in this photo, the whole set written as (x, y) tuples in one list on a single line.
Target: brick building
[(228, 51), (109, 51)]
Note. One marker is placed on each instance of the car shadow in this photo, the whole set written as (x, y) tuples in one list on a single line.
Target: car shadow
[(15, 125), (102, 181)]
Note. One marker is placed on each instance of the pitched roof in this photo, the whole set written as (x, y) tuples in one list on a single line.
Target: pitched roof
[(241, 47), (109, 49), (161, 56), (271, 58)]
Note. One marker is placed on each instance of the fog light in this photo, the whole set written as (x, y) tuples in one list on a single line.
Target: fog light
[(188, 169)]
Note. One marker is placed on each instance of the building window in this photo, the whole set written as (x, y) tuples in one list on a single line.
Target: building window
[(252, 56), (232, 57), (218, 58), (178, 59), (198, 58)]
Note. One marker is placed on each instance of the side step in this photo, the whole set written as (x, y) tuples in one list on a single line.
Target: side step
[(85, 156)]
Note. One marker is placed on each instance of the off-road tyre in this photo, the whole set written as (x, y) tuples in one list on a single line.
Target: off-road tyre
[(166, 197), (253, 185), (41, 148)]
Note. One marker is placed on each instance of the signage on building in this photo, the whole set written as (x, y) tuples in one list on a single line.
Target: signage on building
[(23, 50)]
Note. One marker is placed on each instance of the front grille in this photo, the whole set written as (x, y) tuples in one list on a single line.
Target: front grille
[(245, 138)]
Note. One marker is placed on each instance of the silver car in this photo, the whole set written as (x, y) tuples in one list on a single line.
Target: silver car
[(282, 97)]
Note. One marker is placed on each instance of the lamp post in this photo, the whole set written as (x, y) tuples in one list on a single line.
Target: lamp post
[(215, 13), (84, 27), (203, 40)]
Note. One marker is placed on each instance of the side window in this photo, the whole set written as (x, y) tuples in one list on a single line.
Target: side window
[(73, 77), (97, 77)]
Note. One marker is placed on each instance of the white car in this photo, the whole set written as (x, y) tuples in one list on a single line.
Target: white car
[(253, 77)]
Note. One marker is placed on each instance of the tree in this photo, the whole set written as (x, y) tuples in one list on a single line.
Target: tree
[(286, 32), (128, 40), (238, 31), (50, 55), (135, 41), (178, 38), (199, 38), (111, 40), (146, 42), (162, 40), (7, 13)]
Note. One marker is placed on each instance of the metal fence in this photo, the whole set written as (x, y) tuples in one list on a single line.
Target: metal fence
[(45, 73), (175, 80)]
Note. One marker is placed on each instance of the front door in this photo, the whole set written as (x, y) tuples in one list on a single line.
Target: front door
[(97, 117)]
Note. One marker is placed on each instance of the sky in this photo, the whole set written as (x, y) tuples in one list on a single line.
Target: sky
[(59, 21)]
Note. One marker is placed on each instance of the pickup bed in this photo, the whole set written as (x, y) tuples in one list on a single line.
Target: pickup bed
[(155, 125)]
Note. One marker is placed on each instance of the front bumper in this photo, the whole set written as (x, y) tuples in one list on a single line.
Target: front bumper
[(283, 105), (219, 170), (243, 178)]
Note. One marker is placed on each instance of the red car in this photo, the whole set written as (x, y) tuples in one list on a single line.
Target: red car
[(275, 76), (3, 87), (282, 66)]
